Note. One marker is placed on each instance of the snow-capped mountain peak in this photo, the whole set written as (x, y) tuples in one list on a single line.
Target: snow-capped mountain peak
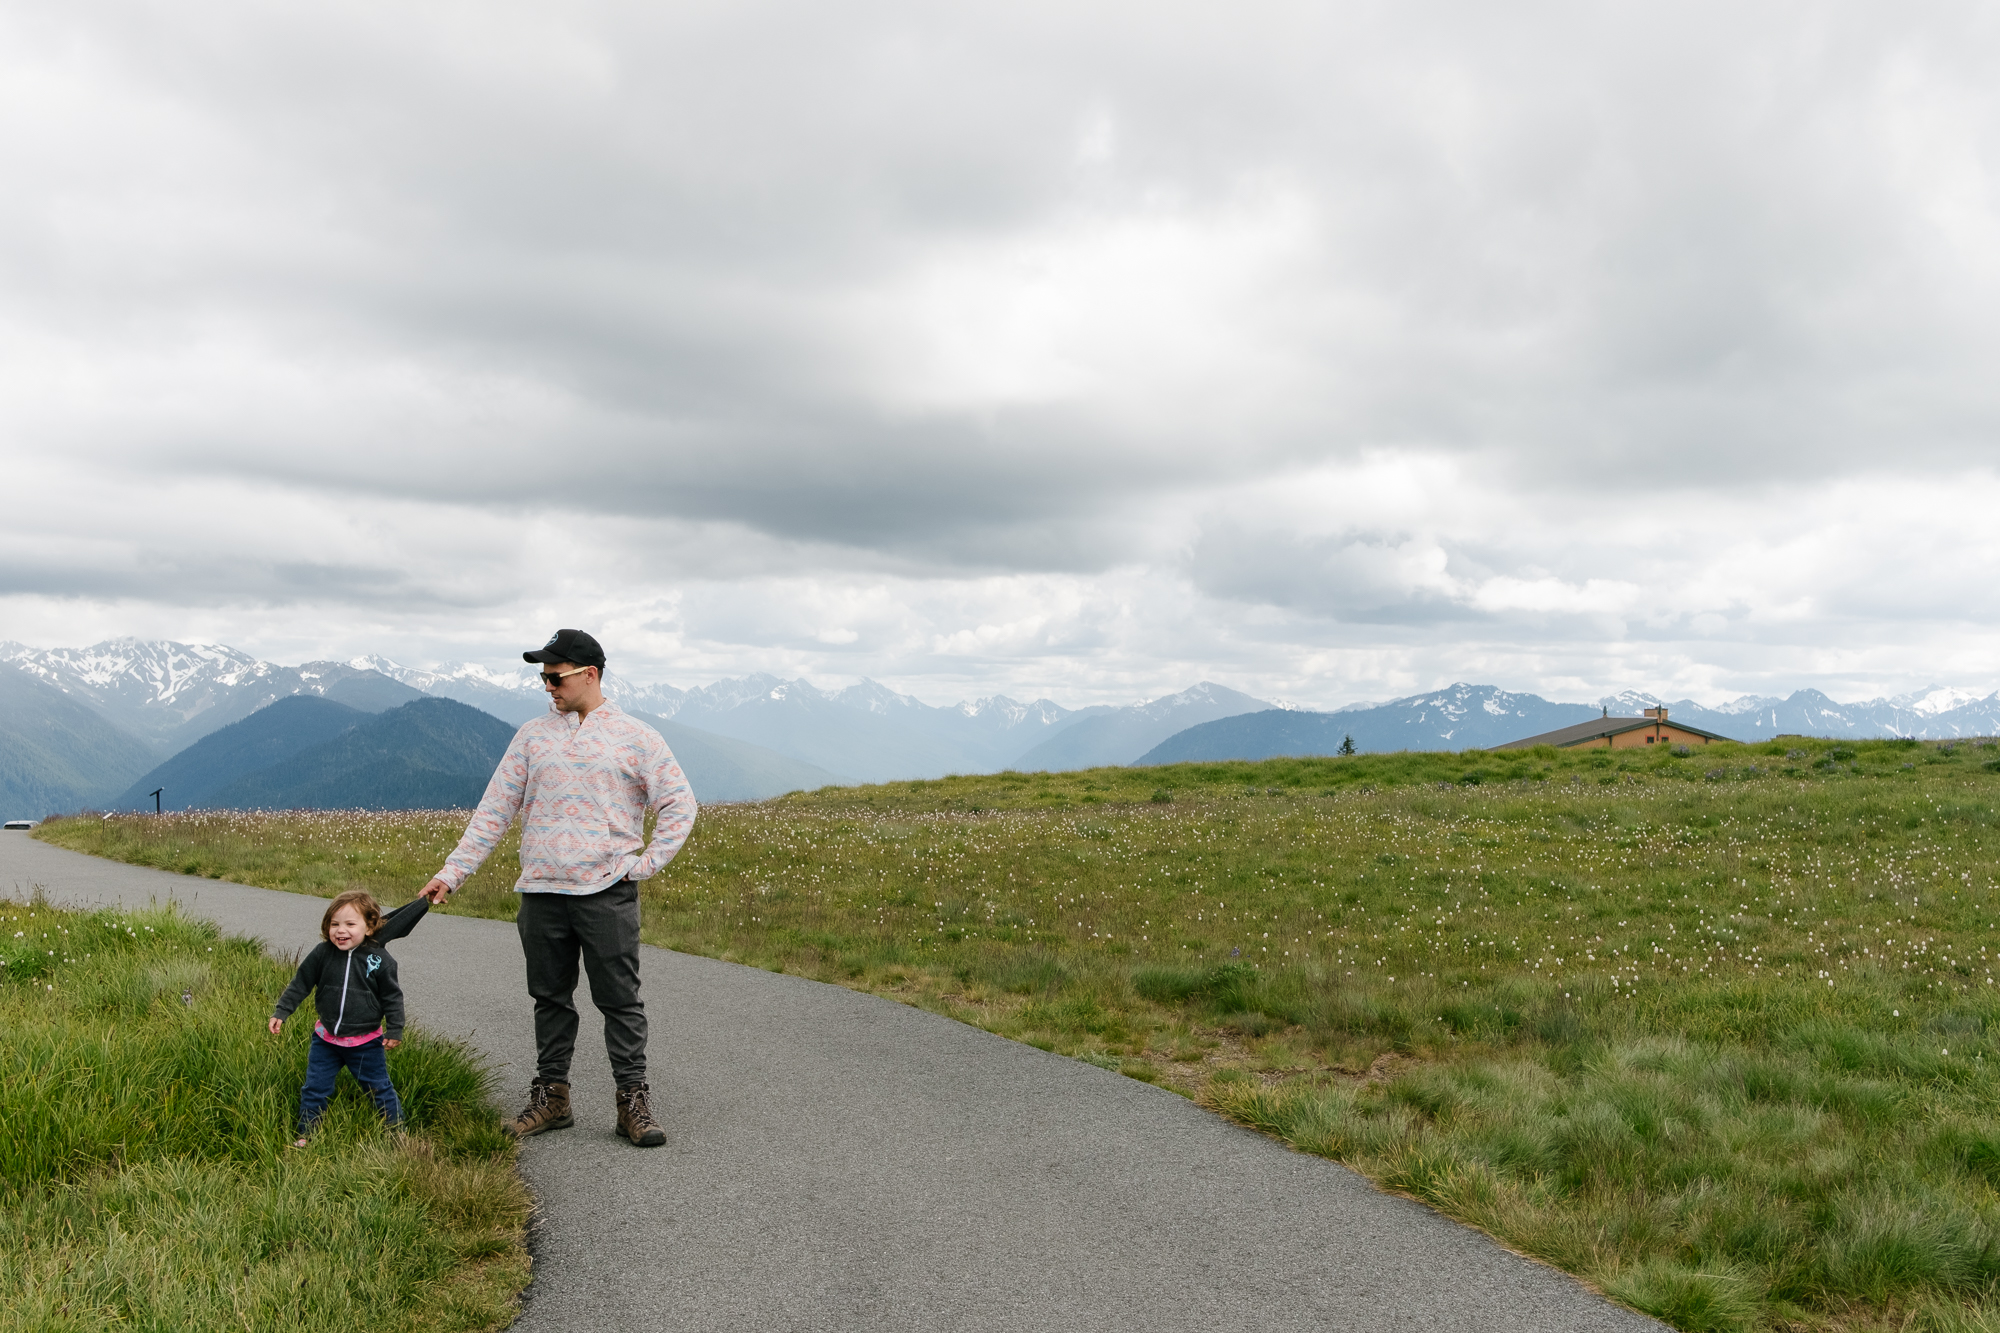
[(1005, 713), (139, 671), (740, 690), (1935, 699), (1206, 694), (1630, 703), (469, 673), (994, 706), (1748, 703), (873, 697), (168, 693)]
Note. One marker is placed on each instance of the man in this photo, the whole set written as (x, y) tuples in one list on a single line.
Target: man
[(582, 778)]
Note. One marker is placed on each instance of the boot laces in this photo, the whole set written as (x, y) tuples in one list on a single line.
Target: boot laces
[(638, 1106)]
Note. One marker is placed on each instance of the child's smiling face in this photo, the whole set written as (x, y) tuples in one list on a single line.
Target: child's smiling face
[(347, 929)]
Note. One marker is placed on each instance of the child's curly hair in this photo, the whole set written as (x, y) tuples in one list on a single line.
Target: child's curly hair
[(364, 903)]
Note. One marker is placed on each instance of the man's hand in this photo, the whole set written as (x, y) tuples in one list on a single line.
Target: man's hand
[(276, 1023), (435, 891)]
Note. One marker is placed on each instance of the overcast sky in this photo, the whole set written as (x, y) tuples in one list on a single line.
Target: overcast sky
[(1084, 350)]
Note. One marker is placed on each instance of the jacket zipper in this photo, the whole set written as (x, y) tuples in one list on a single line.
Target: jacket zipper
[(344, 973)]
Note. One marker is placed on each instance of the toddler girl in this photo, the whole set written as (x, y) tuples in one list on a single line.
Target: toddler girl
[(359, 1003)]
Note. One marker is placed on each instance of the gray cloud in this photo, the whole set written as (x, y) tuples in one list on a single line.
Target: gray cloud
[(1365, 578), (1002, 336)]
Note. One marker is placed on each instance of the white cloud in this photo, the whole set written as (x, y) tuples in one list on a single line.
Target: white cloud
[(1083, 350), (1154, 322)]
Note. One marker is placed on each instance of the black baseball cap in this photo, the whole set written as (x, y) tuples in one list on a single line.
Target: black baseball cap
[(569, 645)]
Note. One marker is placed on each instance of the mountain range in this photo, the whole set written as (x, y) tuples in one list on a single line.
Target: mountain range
[(109, 723), (57, 753), (741, 739), (1466, 717), (263, 741), (172, 694), (430, 754), (78, 726), (1458, 718), (866, 731), (308, 751)]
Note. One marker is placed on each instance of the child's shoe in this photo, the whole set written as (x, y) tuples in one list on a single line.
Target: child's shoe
[(547, 1108)]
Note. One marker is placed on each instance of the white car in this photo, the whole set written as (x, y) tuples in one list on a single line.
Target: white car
[(20, 823)]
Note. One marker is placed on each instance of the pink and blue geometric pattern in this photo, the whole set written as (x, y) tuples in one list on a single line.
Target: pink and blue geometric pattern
[(582, 786)]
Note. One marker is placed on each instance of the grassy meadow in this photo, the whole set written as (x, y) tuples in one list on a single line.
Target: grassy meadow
[(146, 1180), (1706, 1028)]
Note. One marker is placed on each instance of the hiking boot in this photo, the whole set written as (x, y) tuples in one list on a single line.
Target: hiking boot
[(635, 1117), (547, 1108)]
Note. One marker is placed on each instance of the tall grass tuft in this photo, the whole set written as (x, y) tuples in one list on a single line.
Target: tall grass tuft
[(145, 1179)]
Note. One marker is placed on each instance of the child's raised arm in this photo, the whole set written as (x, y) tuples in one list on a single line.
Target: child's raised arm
[(402, 921)]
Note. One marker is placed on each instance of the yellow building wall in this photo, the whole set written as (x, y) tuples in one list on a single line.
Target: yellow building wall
[(1650, 737)]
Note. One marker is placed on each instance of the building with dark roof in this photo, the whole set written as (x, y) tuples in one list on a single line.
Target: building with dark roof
[(1620, 733)]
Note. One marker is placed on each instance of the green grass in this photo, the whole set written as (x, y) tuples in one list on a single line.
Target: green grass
[(145, 1177), (1709, 1030)]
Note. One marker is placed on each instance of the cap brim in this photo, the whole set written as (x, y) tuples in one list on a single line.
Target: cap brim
[(544, 656)]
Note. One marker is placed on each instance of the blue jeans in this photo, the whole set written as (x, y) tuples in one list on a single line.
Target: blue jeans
[(370, 1066)]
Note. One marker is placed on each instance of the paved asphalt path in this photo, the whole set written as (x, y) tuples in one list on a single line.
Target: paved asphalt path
[(837, 1161)]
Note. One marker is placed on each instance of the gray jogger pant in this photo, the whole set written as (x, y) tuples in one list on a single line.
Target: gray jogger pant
[(603, 927)]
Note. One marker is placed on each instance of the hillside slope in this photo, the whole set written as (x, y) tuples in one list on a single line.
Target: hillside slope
[(819, 730), (56, 754), (722, 768), (268, 736), (1121, 735), (432, 754), (1460, 717)]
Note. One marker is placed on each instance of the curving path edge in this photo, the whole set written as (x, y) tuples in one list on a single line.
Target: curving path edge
[(839, 1161)]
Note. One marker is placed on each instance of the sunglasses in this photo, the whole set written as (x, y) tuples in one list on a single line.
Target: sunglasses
[(554, 678)]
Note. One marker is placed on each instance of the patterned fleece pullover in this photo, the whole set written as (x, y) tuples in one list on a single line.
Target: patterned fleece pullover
[(582, 787)]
